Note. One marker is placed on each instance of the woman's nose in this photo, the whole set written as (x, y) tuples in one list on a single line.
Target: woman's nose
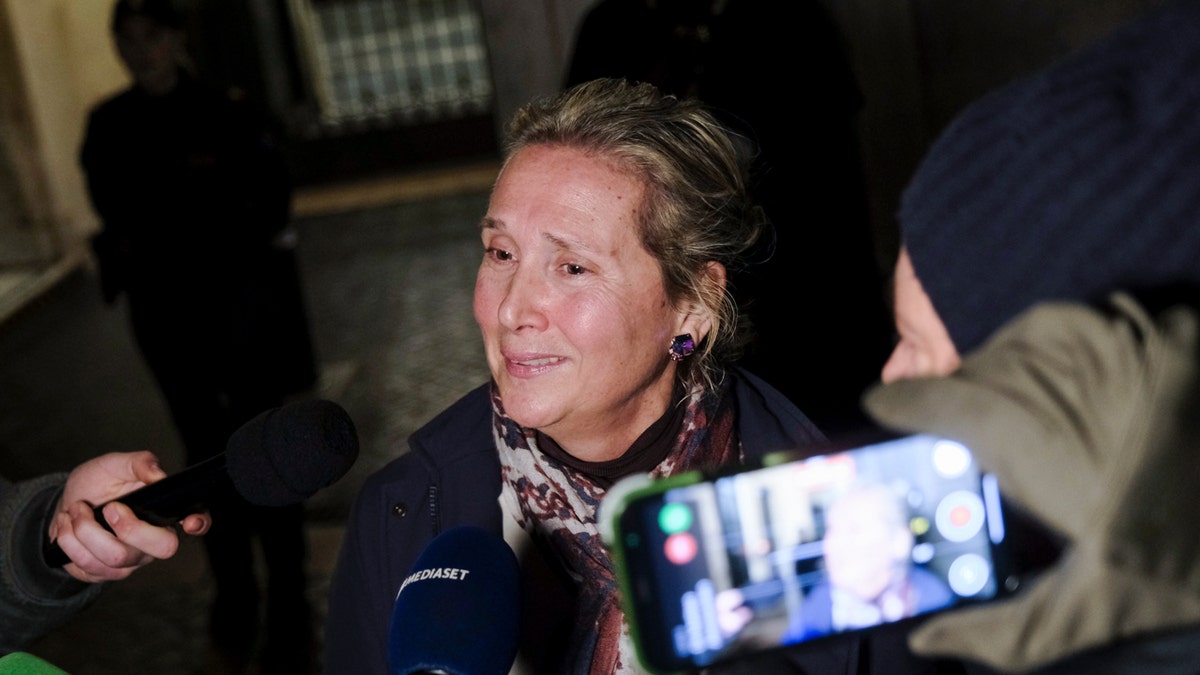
[(522, 304)]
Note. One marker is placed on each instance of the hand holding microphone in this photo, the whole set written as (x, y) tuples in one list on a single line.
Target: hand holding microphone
[(280, 457), (97, 554), (458, 612)]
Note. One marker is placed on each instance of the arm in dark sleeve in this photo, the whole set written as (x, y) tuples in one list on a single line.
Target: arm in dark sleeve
[(34, 598)]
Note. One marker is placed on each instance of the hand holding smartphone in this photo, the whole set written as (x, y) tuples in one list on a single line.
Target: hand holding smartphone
[(712, 567)]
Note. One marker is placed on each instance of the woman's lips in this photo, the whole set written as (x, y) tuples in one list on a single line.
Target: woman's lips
[(531, 365)]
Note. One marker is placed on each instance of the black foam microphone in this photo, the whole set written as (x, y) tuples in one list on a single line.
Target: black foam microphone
[(458, 612), (281, 457)]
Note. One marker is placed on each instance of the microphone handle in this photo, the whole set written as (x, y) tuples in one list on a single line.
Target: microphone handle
[(163, 503)]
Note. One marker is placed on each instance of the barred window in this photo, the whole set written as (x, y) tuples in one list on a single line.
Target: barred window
[(389, 62)]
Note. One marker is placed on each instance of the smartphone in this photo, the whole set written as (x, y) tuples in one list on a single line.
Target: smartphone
[(712, 567)]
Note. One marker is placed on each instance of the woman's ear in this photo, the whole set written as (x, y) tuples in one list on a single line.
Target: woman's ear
[(696, 318)]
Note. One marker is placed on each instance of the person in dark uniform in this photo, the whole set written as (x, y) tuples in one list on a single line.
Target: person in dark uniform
[(194, 197)]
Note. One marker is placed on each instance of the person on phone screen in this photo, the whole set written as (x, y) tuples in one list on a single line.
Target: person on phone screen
[(870, 577), (1047, 299)]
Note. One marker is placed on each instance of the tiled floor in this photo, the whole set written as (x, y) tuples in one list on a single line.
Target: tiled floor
[(389, 288)]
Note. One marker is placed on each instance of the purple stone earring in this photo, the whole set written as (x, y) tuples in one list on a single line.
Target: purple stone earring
[(682, 347)]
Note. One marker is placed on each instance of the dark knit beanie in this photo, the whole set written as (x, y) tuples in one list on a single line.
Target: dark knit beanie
[(1079, 180)]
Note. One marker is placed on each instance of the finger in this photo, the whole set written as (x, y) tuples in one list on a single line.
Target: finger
[(145, 468), (196, 523), (63, 535), (108, 550), (104, 478), (140, 540), (57, 521), (78, 536)]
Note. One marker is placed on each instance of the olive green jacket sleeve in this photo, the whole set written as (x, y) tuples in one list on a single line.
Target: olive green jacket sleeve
[(1090, 418)]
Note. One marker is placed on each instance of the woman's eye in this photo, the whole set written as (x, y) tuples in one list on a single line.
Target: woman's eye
[(498, 254), (574, 269)]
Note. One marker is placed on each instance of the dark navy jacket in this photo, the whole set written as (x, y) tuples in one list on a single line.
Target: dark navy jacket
[(451, 476)]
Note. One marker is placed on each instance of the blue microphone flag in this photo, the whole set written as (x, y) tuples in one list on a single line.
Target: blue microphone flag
[(458, 611)]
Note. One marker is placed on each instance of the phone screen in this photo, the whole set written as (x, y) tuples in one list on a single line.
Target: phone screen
[(803, 549)]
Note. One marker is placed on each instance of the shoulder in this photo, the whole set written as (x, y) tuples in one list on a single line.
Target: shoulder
[(115, 106), (467, 419), (460, 433), (450, 459), (767, 420), (1091, 355), (1123, 322), (449, 475), (815, 616), (932, 591)]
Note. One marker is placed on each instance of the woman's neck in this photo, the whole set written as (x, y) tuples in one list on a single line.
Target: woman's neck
[(640, 454)]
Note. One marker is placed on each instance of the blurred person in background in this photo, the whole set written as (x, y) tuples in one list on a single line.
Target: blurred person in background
[(194, 199)]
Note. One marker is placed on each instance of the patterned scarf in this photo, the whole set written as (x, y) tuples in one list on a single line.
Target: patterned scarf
[(557, 505)]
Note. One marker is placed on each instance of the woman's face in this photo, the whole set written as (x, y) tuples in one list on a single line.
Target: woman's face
[(925, 348), (575, 318)]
